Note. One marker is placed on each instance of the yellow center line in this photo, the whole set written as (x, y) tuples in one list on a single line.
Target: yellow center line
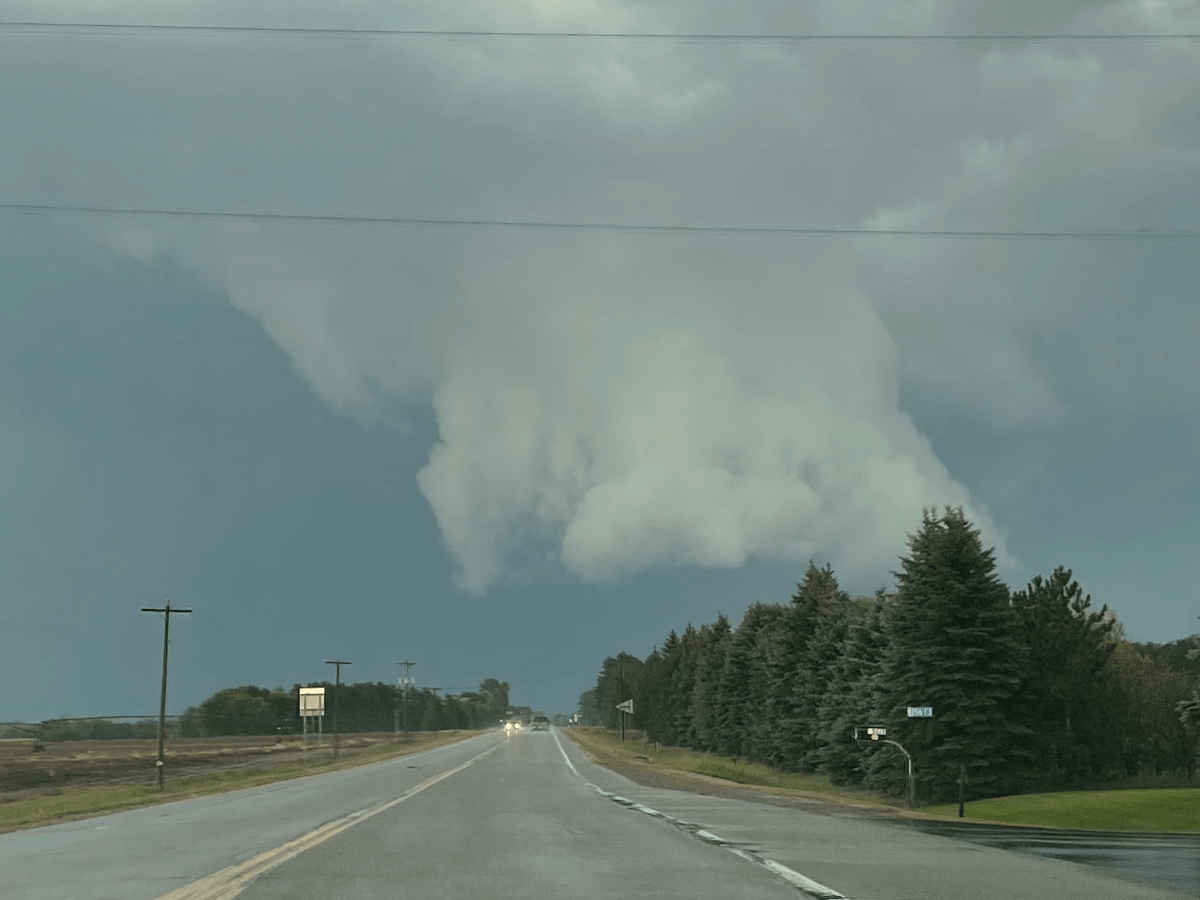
[(229, 882)]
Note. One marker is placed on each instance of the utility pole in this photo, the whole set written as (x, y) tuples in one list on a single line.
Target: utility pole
[(621, 690), (407, 665), (162, 699), (337, 680), (437, 709)]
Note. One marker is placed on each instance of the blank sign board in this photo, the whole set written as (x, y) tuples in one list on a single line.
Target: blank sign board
[(312, 701)]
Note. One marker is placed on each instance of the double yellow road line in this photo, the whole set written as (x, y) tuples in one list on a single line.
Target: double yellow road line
[(229, 882)]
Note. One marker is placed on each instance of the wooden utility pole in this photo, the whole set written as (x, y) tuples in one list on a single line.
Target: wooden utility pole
[(621, 690), (337, 680), (407, 665), (162, 699)]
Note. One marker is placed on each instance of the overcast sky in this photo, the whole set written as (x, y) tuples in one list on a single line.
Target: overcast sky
[(509, 453)]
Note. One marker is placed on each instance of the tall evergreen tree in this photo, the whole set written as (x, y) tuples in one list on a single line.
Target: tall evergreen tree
[(588, 711), (825, 647), (740, 687), (791, 731), (616, 683), (684, 685), (954, 646), (705, 702), (850, 693), (1064, 691), (657, 690), (767, 646)]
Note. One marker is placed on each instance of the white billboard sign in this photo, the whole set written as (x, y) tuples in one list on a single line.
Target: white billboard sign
[(312, 701), (920, 712)]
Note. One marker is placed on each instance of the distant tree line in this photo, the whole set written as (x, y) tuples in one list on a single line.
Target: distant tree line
[(95, 728), (1031, 689), (364, 708)]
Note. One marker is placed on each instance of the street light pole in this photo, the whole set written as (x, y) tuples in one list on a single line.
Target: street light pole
[(911, 788), (877, 734), (337, 680)]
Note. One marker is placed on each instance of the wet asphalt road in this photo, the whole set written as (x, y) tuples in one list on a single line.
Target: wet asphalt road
[(525, 817), (1169, 861)]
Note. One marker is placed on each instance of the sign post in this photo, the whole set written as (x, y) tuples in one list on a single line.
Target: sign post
[(962, 787), (312, 704), (626, 707)]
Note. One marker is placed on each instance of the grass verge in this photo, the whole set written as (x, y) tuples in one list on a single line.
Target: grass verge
[(80, 803), (1150, 809), (606, 748)]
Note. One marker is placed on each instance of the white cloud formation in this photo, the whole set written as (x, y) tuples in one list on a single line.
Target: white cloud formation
[(628, 404), (640, 409)]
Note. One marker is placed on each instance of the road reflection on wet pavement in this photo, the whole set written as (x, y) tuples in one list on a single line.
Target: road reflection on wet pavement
[(1168, 861)]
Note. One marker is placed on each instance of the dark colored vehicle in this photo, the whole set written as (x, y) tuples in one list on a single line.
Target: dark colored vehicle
[(540, 723)]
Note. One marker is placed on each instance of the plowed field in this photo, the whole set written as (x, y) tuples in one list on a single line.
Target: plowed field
[(70, 764)]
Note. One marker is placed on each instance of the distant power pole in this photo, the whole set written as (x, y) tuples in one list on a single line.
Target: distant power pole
[(162, 699), (337, 680), (621, 690), (407, 665), (437, 709)]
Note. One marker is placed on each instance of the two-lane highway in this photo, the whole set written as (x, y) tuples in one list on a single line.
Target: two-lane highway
[(527, 816), (518, 824), (489, 817)]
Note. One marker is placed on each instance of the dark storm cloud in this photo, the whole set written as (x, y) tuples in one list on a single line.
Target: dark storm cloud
[(629, 404)]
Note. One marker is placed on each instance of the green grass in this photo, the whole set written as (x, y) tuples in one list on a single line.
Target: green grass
[(66, 804), (1156, 809)]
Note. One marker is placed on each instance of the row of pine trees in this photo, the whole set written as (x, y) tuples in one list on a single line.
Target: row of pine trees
[(1030, 690)]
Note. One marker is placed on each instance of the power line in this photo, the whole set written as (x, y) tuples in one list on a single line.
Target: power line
[(110, 29), (335, 219), (92, 580)]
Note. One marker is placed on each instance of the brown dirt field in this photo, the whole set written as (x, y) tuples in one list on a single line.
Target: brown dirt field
[(74, 764)]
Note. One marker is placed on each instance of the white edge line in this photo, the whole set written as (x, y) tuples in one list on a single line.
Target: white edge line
[(805, 884), (791, 876)]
